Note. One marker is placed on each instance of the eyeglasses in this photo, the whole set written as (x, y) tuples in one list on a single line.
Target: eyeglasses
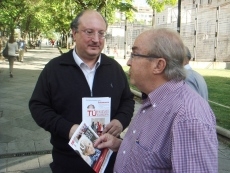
[(91, 33), (132, 55)]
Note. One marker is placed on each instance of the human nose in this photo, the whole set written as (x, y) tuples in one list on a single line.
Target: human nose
[(129, 62), (95, 37)]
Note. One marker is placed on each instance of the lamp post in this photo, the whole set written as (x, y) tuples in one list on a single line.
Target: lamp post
[(125, 41), (179, 16), (124, 18)]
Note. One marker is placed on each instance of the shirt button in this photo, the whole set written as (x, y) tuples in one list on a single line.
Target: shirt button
[(143, 111), (134, 131), (124, 152)]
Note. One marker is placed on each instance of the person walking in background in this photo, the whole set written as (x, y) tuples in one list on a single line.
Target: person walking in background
[(175, 129), (56, 102), (12, 49), (39, 43), (194, 79), (115, 51), (108, 49), (21, 45), (52, 42)]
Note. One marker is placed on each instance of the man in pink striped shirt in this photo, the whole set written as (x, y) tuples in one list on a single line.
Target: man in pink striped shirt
[(175, 128)]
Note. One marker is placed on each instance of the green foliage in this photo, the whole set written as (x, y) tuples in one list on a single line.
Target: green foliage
[(10, 19), (38, 17), (222, 115), (159, 5), (218, 82)]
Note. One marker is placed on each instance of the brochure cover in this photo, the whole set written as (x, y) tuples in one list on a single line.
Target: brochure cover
[(96, 112), (82, 142)]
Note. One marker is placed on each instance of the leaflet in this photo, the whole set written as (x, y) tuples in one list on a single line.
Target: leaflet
[(82, 142), (96, 112)]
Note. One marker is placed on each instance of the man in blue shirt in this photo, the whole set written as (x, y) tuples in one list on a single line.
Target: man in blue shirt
[(194, 79)]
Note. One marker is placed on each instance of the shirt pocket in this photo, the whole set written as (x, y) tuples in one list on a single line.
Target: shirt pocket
[(147, 160)]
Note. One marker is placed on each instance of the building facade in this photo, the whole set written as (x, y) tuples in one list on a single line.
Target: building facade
[(205, 28)]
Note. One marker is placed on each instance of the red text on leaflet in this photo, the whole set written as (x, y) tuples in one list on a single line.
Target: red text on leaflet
[(98, 113)]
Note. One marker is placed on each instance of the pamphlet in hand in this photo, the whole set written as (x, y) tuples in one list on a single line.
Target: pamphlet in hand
[(96, 112), (82, 142)]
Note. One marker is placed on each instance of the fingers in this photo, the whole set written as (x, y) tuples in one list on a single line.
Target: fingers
[(115, 132), (107, 141), (102, 138), (114, 128), (104, 141), (107, 128), (72, 130), (111, 130)]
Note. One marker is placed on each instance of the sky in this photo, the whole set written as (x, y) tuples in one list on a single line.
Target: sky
[(140, 2)]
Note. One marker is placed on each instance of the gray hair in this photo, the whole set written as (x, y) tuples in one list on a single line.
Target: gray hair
[(75, 23), (83, 145), (188, 54), (167, 43)]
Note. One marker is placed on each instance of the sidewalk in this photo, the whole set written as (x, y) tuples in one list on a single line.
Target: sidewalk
[(24, 146)]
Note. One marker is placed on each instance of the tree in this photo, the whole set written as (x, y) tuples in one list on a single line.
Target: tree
[(36, 17), (10, 19), (158, 6)]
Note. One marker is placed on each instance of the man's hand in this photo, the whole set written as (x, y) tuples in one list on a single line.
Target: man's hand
[(108, 141), (72, 130), (114, 128)]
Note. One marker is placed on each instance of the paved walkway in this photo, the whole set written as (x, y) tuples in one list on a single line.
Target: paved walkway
[(25, 147)]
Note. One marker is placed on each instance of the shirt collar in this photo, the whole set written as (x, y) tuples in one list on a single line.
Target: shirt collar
[(187, 67), (79, 61), (156, 96)]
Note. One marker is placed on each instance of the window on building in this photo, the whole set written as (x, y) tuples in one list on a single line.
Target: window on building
[(201, 2), (194, 3)]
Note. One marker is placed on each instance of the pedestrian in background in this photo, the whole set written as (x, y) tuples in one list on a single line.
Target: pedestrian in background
[(175, 129), (56, 103), (1, 46), (108, 49), (12, 49), (21, 46), (52, 42), (39, 43), (194, 79), (115, 50)]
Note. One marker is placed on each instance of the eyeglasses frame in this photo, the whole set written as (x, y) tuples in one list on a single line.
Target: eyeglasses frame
[(92, 35), (132, 55)]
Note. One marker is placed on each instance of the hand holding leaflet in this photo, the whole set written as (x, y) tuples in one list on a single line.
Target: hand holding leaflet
[(82, 142)]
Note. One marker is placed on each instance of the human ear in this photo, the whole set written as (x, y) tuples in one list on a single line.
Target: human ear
[(160, 64)]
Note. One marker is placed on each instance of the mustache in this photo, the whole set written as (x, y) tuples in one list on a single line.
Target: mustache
[(94, 44)]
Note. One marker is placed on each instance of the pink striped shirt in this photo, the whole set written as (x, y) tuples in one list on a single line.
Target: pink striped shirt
[(174, 131)]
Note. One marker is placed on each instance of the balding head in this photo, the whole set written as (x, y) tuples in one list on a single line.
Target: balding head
[(167, 44), (75, 23)]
